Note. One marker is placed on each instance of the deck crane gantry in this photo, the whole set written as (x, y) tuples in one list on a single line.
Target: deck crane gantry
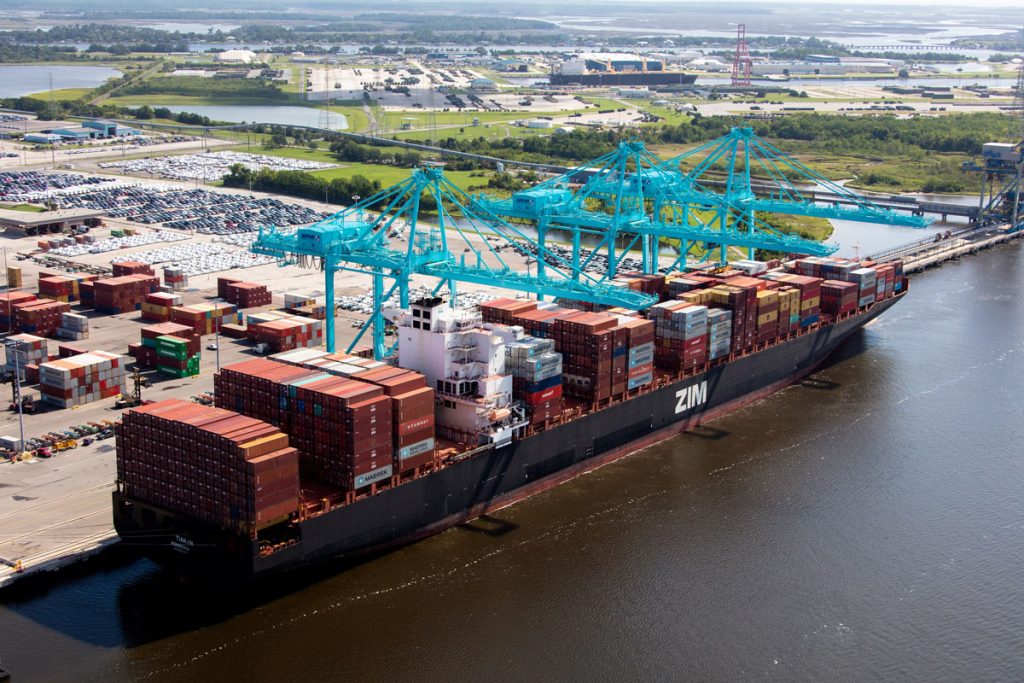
[(633, 196), (742, 153), (463, 244)]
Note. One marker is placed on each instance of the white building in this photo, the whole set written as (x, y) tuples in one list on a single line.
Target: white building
[(238, 56), (464, 361)]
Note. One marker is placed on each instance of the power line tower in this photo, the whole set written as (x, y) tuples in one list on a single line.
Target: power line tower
[(741, 63)]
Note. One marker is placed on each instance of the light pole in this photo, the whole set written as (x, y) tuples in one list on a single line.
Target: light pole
[(12, 345), (216, 331)]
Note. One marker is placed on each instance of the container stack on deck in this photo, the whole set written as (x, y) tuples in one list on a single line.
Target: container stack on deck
[(355, 421), (412, 414), (210, 464), (536, 370), (639, 353), (590, 343), (122, 294), (77, 380), (681, 333), (585, 341)]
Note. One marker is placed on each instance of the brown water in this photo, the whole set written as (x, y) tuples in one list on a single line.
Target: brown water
[(866, 525)]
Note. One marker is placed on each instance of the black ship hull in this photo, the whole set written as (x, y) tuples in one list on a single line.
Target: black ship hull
[(492, 478)]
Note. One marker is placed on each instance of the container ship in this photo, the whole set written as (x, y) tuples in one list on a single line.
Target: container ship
[(610, 69), (308, 456)]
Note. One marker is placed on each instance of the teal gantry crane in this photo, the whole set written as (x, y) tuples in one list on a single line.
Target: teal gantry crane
[(632, 198), (463, 244), (783, 184)]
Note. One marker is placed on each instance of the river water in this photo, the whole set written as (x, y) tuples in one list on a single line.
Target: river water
[(865, 525)]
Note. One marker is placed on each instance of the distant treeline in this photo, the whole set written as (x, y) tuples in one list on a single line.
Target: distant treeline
[(94, 33), (302, 184), (883, 135), (202, 87), (16, 54), (347, 150)]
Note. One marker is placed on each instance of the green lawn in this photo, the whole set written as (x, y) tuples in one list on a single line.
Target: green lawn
[(387, 175), (28, 208), (65, 95), (391, 175)]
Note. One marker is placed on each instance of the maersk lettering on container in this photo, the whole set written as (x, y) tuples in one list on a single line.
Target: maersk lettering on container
[(692, 396)]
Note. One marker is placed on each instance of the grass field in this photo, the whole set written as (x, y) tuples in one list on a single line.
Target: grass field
[(65, 95), (391, 175), (387, 175), (28, 208)]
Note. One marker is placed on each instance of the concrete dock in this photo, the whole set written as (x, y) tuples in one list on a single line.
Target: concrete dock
[(56, 511), (918, 256)]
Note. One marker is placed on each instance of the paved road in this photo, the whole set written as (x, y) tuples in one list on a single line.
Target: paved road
[(52, 508)]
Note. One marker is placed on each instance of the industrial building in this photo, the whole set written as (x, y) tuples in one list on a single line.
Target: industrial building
[(610, 69), (482, 85), (42, 138), (243, 56), (839, 68), (20, 223), (75, 133), (109, 129)]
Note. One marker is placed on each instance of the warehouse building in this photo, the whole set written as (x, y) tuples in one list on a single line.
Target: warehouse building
[(75, 133), (42, 138), (243, 56), (22, 223)]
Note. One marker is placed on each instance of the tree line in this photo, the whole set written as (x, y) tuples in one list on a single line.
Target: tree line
[(302, 184)]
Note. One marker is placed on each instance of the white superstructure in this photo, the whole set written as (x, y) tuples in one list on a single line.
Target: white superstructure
[(464, 361)]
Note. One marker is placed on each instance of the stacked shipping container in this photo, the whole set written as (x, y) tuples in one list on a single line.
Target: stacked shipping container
[(23, 350), (210, 464), (351, 431), (41, 317), (77, 380), (157, 306), (122, 294), (204, 318), (243, 294), (288, 333)]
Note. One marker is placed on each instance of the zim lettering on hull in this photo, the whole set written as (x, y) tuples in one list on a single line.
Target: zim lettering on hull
[(692, 396)]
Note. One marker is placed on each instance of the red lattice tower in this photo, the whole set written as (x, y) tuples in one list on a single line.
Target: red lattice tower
[(741, 63)]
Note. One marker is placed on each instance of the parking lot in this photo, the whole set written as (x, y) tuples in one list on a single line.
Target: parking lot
[(194, 210), (210, 166)]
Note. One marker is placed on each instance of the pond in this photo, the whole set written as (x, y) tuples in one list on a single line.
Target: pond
[(16, 81), (289, 116)]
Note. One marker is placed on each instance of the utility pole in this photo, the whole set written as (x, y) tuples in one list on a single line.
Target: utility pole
[(16, 386)]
